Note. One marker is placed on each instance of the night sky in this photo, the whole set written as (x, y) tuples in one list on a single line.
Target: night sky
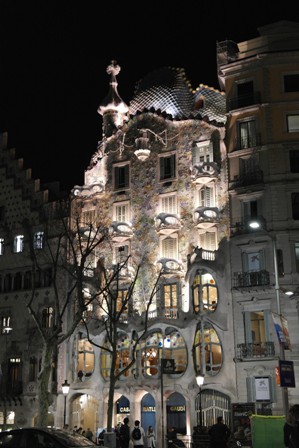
[(54, 54)]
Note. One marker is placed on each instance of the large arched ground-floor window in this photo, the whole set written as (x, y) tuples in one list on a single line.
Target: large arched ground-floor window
[(211, 404)]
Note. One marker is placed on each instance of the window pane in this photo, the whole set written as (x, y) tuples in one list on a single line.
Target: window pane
[(294, 161), (295, 205), (291, 83), (293, 123)]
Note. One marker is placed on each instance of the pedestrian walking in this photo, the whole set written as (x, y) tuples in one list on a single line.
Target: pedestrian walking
[(124, 434), (138, 435), (219, 434), (151, 437)]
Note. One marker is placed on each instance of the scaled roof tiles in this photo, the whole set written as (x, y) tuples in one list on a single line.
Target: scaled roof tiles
[(168, 91)]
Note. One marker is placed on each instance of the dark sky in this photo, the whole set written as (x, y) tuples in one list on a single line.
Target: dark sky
[(54, 54)]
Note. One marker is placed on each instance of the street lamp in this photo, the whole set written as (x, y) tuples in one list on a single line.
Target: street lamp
[(255, 224), (200, 380), (65, 390)]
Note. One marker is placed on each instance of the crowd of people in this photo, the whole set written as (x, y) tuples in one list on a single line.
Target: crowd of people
[(219, 433)]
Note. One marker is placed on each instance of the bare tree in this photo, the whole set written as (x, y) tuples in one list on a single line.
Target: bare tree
[(66, 252), (113, 312)]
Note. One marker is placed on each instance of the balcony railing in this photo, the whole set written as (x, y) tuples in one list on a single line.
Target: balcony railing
[(255, 350), (244, 100), (167, 223), (251, 279), (254, 178), (120, 231), (204, 172), (206, 217)]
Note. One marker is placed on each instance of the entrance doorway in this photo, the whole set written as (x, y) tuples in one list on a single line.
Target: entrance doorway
[(176, 413), (148, 412)]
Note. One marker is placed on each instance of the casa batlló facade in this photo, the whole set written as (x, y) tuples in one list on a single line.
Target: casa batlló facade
[(169, 179)]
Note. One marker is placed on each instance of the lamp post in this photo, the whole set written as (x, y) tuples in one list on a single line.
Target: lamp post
[(257, 225), (65, 390), (200, 380)]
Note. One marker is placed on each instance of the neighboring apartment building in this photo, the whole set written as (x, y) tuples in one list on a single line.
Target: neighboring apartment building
[(176, 178), (261, 81), (24, 206)]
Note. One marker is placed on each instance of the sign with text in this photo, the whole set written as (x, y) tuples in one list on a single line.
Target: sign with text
[(262, 388), (286, 372), (168, 365)]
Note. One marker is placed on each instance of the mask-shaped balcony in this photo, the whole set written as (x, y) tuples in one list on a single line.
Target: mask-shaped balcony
[(120, 231), (206, 217), (167, 223), (125, 273), (169, 266), (204, 172)]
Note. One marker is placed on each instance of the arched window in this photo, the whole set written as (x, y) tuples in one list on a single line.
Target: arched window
[(123, 357), (157, 346), (48, 317), (85, 365), (204, 292), (209, 342)]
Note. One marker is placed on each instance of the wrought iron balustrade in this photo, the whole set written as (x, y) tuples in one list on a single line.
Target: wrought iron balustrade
[(255, 350), (251, 278)]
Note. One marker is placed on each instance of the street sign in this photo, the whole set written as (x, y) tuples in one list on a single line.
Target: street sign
[(167, 366), (287, 375)]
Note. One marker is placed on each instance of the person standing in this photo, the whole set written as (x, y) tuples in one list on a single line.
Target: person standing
[(151, 437), (124, 434), (89, 434), (219, 434), (291, 428), (138, 435)]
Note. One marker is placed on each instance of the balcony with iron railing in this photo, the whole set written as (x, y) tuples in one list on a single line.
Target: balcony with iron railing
[(199, 254), (248, 179), (243, 226), (244, 100), (255, 350), (251, 279)]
